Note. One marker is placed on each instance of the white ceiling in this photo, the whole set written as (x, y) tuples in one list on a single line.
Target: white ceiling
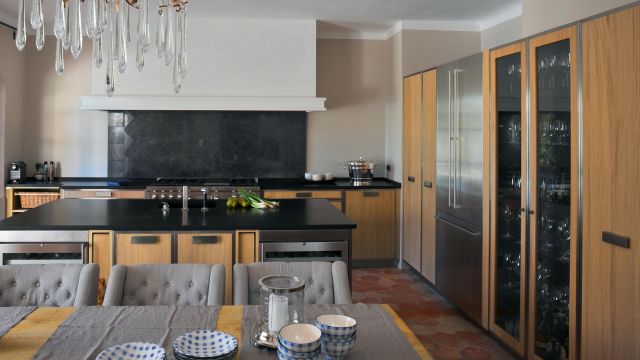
[(369, 18)]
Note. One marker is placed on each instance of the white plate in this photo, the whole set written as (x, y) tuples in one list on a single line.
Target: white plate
[(133, 351), (205, 344)]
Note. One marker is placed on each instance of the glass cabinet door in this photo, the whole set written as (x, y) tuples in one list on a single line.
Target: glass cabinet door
[(508, 235), (553, 200)]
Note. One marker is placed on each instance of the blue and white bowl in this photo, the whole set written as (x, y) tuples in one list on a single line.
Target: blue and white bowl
[(300, 337), (205, 344), (282, 356), (337, 348), (290, 354), (133, 351), (336, 326)]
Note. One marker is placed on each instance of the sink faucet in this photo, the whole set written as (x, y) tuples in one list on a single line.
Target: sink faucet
[(185, 198), (204, 199)]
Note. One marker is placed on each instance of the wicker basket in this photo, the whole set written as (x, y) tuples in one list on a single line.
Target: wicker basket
[(30, 200)]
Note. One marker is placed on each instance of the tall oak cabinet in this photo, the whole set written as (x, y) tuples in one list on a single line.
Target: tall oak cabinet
[(418, 183)]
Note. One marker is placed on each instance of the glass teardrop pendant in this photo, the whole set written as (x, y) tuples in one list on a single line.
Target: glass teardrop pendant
[(169, 45), (92, 18), (37, 20), (162, 28), (177, 78), (59, 23), (59, 57), (121, 39), (184, 66), (111, 49), (103, 17), (110, 82), (125, 12), (66, 39), (76, 29), (97, 50), (40, 38), (143, 25), (21, 31), (140, 58)]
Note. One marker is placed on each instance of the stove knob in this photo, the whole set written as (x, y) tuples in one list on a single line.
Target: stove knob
[(179, 196), (170, 196), (162, 196), (154, 196)]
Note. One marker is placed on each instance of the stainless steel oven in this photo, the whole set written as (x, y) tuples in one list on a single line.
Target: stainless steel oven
[(43, 253), (305, 245)]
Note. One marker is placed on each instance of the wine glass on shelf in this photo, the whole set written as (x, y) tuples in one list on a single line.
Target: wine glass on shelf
[(507, 216)]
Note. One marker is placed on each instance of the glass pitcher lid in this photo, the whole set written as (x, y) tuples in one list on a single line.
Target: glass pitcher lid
[(282, 283)]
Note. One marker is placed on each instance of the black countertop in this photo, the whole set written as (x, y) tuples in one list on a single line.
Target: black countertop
[(146, 215), (265, 184)]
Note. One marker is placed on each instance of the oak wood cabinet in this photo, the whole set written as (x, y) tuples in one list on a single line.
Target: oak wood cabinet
[(419, 158), (100, 252), (334, 196), (611, 191), (208, 248), (102, 194), (375, 213), (247, 247), (143, 248)]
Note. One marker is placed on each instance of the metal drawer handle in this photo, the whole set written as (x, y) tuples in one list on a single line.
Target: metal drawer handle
[(103, 194), (411, 179), (144, 239), (303, 195), (370, 194), (204, 239), (427, 184), (617, 240), (458, 227)]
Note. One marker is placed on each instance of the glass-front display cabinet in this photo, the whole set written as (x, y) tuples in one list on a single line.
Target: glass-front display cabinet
[(553, 200), (507, 314)]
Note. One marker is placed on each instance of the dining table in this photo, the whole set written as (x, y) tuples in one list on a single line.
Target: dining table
[(54, 332)]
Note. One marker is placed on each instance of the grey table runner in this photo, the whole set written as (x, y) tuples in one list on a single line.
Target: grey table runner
[(378, 336), (90, 330), (11, 315)]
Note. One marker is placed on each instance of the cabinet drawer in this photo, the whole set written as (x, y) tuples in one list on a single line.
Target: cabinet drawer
[(143, 248), (102, 194), (374, 211), (301, 194), (208, 248)]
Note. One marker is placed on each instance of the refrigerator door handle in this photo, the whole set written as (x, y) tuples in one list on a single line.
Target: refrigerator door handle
[(472, 233), (456, 119), (450, 143)]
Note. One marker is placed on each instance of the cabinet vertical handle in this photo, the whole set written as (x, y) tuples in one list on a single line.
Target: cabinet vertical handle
[(411, 179), (427, 184), (144, 240), (370, 194), (204, 239), (303, 195)]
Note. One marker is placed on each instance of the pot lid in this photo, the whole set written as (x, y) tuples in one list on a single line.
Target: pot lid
[(361, 161)]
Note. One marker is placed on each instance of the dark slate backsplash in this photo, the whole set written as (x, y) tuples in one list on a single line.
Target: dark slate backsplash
[(207, 144)]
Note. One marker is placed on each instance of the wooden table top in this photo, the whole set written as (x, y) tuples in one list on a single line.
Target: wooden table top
[(25, 339)]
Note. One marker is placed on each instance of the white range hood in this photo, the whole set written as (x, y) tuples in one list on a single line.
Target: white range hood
[(203, 103), (234, 65)]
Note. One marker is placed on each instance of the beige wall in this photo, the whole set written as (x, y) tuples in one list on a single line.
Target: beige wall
[(355, 77), (422, 50), (54, 127), (542, 15), (393, 126), (501, 34)]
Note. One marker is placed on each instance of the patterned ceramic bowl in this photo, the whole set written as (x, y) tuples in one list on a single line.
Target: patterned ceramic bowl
[(336, 326), (132, 351), (337, 348), (205, 344), (290, 354), (300, 337), (282, 356)]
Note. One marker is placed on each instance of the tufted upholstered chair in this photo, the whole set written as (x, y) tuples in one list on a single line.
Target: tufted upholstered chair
[(170, 284), (49, 285), (326, 283)]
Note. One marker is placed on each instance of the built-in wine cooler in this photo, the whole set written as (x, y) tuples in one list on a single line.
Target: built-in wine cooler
[(533, 199)]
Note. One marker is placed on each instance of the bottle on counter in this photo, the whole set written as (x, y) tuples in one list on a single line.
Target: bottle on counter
[(52, 171), (45, 170)]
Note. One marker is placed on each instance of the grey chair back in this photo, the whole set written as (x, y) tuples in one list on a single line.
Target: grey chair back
[(49, 285), (170, 284), (326, 283)]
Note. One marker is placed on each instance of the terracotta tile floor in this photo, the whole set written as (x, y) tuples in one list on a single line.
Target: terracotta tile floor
[(444, 332)]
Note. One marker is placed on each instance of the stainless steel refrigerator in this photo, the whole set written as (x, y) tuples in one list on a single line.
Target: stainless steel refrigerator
[(459, 184)]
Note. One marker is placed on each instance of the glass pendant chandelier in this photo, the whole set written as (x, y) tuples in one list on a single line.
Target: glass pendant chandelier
[(106, 23)]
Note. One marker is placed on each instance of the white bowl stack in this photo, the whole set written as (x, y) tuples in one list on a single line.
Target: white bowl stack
[(299, 341), (338, 335)]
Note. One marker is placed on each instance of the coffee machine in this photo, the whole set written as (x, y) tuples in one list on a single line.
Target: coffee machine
[(18, 172)]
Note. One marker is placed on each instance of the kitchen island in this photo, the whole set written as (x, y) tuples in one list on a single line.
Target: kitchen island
[(135, 231)]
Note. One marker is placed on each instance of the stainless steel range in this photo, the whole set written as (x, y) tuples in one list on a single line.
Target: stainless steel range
[(214, 188)]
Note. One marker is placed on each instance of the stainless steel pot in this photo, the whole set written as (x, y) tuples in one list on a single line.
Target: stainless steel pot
[(360, 170)]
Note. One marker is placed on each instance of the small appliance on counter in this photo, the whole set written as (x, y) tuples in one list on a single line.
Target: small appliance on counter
[(18, 172), (360, 171)]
